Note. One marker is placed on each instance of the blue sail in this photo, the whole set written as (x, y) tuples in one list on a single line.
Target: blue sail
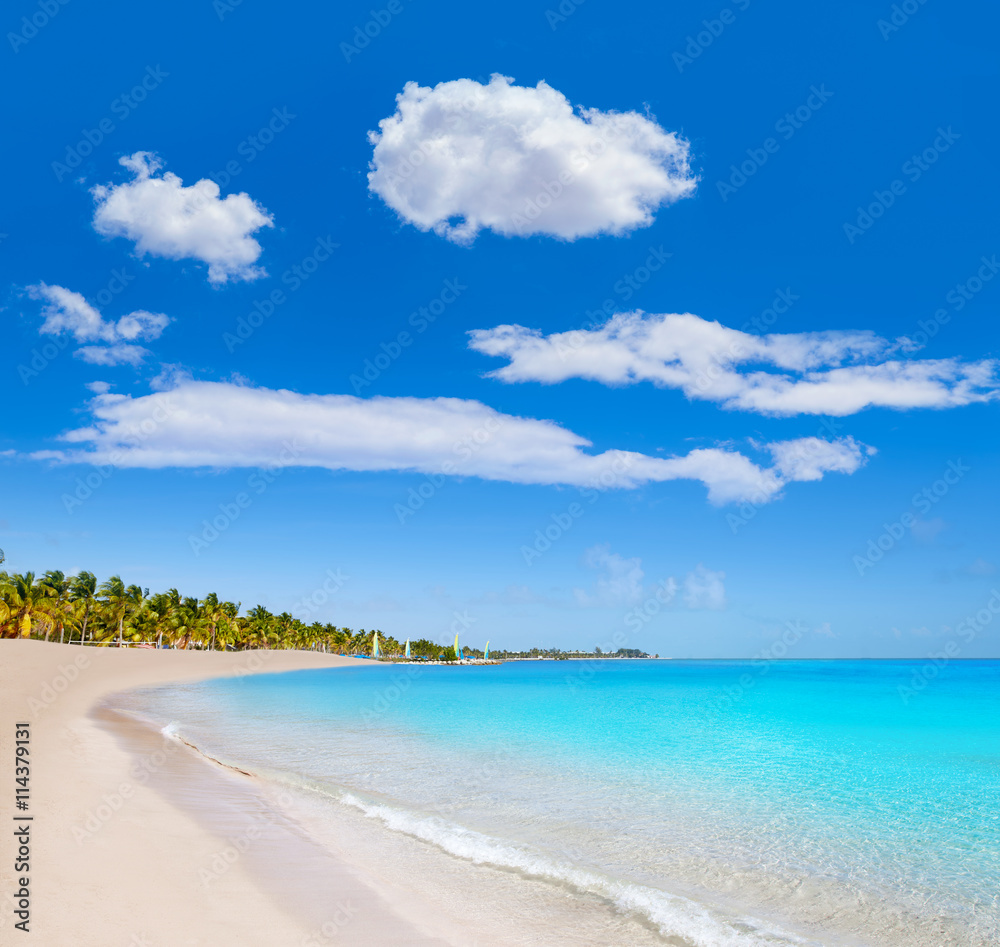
[(486, 653)]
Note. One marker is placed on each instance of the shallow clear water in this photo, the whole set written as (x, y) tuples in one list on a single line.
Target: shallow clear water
[(821, 802)]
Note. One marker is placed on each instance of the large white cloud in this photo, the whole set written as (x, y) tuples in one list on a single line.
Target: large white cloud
[(216, 424), (166, 219), (66, 311), (464, 157), (835, 373)]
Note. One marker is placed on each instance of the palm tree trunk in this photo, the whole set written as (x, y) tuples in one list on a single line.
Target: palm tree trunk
[(83, 633), (60, 632), (121, 621)]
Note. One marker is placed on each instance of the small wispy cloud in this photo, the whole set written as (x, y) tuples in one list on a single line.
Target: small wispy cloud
[(67, 312)]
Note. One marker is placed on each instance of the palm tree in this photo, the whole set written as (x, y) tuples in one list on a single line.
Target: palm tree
[(213, 612), (230, 623), (188, 621), (83, 592), (118, 602), (26, 600), (60, 594), (157, 616)]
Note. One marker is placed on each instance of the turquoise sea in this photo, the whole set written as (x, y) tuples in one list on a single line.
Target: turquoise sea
[(708, 803)]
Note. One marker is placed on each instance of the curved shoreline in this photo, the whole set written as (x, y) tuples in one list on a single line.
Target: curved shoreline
[(112, 860)]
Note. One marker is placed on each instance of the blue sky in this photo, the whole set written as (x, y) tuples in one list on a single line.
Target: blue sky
[(745, 176)]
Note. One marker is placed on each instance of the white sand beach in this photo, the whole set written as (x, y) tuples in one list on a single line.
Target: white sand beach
[(113, 862)]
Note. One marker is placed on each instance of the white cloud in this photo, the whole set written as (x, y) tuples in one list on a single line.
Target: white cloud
[(464, 157), (981, 567), (217, 424), (835, 373), (620, 582), (704, 588), (926, 531), (120, 354), (166, 219), (66, 311)]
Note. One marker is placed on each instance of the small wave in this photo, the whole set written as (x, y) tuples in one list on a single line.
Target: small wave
[(673, 915)]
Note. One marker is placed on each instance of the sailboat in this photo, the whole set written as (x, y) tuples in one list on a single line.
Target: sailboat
[(375, 646), (407, 648), (486, 653), (458, 650)]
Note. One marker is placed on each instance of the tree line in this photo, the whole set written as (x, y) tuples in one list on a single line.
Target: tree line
[(78, 609)]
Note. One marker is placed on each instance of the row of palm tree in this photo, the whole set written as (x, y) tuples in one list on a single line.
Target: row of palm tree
[(76, 609)]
